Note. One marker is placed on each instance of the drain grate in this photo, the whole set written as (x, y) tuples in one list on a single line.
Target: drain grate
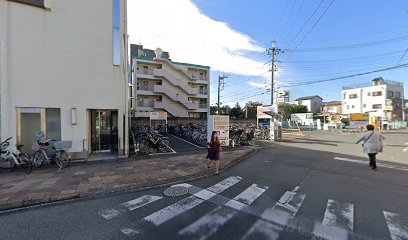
[(176, 191)]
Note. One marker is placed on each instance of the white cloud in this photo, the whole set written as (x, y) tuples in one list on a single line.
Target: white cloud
[(258, 85), (178, 26)]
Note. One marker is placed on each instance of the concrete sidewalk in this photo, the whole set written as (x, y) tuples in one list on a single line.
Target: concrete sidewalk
[(18, 189)]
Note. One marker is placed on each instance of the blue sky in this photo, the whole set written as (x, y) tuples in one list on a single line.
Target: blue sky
[(230, 36)]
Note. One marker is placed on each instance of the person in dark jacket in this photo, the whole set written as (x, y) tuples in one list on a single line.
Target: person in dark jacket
[(214, 150)]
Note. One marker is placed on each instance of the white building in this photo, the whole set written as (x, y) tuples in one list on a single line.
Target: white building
[(160, 84), (383, 99), (64, 71), (333, 107), (312, 103)]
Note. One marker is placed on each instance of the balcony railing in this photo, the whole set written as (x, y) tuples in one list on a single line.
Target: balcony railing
[(202, 92), (145, 72), (145, 104), (202, 105), (146, 88), (195, 77)]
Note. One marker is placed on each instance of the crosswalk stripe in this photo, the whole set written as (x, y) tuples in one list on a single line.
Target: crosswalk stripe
[(397, 225), (178, 208), (339, 215), (212, 221), (384, 165), (289, 203), (163, 215), (131, 205)]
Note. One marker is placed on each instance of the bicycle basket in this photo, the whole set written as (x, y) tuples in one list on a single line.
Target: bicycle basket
[(35, 147), (63, 145)]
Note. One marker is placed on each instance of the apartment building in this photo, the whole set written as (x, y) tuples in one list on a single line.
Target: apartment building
[(311, 102), (63, 70), (381, 98), (160, 84)]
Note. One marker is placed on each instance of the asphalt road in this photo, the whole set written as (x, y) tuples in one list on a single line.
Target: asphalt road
[(281, 192)]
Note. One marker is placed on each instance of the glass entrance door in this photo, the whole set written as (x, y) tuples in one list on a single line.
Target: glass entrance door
[(104, 130)]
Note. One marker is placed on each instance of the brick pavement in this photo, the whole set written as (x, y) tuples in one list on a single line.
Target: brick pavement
[(43, 185)]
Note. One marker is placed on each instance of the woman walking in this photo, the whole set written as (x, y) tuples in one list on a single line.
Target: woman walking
[(214, 150), (372, 144)]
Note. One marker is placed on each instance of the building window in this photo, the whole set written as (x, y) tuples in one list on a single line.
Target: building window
[(390, 94), (351, 96), (348, 106), (376, 94), (397, 94), (116, 32), (352, 106), (377, 106), (369, 94), (364, 105)]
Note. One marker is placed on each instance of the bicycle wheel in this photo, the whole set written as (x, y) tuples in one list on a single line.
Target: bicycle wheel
[(38, 159), (26, 163), (62, 159)]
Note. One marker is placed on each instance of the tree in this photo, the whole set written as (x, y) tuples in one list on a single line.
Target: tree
[(287, 109), (236, 112), (299, 109)]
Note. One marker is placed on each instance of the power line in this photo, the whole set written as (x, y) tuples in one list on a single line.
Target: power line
[(304, 25), (350, 76), (351, 46), (314, 25)]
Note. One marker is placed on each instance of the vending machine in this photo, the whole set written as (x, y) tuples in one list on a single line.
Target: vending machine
[(220, 124)]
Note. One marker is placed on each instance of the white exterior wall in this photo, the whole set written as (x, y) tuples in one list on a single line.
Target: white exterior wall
[(62, 58), (364, 103), (313, 105)]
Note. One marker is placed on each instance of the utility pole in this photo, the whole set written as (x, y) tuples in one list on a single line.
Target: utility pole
[(273, 51), (220, 87)]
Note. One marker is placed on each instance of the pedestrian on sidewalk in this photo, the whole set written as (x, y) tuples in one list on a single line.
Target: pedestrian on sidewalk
[(372, 144), (214, 150)]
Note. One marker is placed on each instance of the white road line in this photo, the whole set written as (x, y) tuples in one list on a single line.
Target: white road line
[(289, 203), (165, 214), (131, 205), (378, 164), (339, 214), (173, 210), (212, 221), (397, 225), (185, 141), (178, 208)]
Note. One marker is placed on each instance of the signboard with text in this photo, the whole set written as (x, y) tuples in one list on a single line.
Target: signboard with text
[(220, 124), (283, 96), (158, 116), (359, 116)]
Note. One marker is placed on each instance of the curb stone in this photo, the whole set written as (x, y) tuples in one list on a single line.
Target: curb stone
[(17, 205)]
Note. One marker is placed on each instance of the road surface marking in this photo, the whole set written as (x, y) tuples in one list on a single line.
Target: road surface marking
[(165, 214), (290, 202), (378, 164), (208, 224), (179, 138), (339, 215), (397, 225), (131, 205)]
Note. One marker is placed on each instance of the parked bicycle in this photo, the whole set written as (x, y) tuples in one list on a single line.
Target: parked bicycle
[(147, 141), (59, 153), (11, 157)]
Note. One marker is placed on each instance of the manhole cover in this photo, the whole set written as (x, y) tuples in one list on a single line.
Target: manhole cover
[(176, 191)]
